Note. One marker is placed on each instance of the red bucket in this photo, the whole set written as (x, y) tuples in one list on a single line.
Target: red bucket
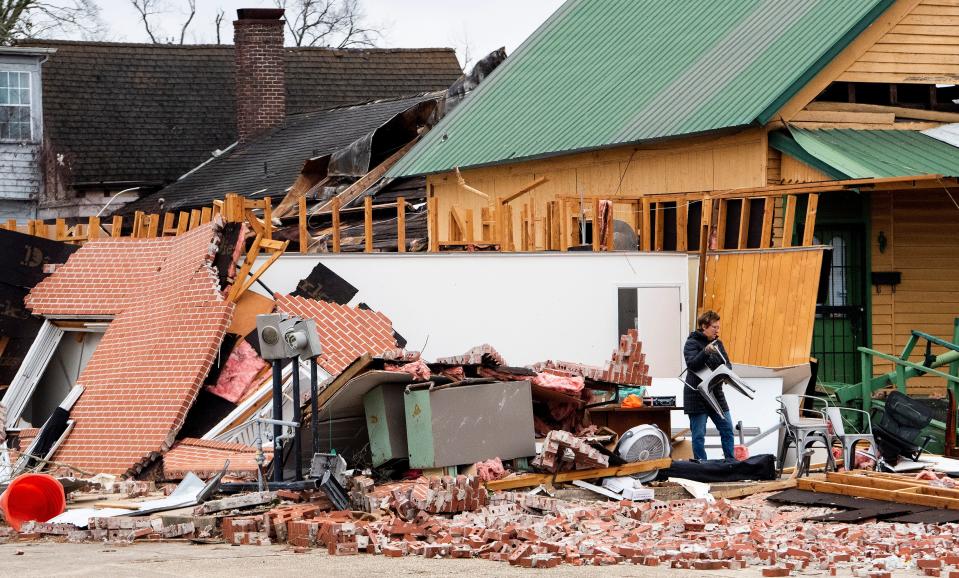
[(36, 497)]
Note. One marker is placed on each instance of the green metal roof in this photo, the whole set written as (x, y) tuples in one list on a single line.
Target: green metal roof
[(863, 154), (601, 73)]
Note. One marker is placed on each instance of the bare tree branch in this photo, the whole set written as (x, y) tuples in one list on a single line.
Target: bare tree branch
[(338, 23), (220, 15), (146, 9), (192, 5), (35, 18)]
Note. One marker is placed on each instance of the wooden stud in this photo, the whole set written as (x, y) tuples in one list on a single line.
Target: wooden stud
[(367, 224), (93, 228), (278, 249), (304, 234), (549, 224), (563, 226), (11, 225), (457, 226), (335, 209), (525, 190), (744, 223), (721, 225), (524, 231), (468, 223), (153, 226), (789, 222), (597, 239), (183, 223), (769, 210), (237, 289), (138, 218), (532, 225), (60, 229), (206, 214), (432, 208), (682, 223), (400, 224), (645, 234), (508, 213), (810, 228), (168, 228), (195, 215), (660, 227), (116, 227), (267, 218)]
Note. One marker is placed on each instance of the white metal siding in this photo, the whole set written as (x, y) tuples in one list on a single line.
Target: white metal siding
[(19, 171)]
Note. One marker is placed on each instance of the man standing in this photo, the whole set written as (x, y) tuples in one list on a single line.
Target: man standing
[(704, 349)]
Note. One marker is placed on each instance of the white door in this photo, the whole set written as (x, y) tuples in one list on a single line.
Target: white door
[(660, 324)]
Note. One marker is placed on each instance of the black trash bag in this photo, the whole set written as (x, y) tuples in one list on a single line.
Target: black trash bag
[(761, 467)]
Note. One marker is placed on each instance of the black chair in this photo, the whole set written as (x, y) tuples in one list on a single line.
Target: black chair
[(897, 427)]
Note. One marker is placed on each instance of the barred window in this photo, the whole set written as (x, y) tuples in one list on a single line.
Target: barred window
[(15, 106)]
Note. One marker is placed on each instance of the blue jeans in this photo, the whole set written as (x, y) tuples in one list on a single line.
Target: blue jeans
[(697, 424)]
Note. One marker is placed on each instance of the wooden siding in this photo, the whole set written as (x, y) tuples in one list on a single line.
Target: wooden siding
[(923, 48), (767, 301), (688, 165), (19, 171), (794, 172), (919, 227)]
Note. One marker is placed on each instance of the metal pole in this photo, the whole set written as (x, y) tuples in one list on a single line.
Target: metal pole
[(277, 415), (297, 417), (314, 406)]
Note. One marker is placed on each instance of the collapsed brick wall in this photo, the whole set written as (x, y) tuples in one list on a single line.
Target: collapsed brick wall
[(345, 332), (169, 320), (206, 457)]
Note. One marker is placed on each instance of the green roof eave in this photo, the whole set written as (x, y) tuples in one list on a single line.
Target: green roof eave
[(784, 143)]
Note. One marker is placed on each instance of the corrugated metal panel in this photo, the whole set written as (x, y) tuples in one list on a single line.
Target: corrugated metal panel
[(600, 73), (862, 154)]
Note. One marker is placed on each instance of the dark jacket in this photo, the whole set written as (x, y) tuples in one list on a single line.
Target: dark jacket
[(696, 359)]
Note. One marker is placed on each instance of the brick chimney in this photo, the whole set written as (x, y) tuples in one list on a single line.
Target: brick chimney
[(260, 78)]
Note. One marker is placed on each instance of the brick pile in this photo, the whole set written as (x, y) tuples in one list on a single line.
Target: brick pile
[(479, 355), (345, 332), (626, 367), (582, 455), (437, 495), (169, 319)]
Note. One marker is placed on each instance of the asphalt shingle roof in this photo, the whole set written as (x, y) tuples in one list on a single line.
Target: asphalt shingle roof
[(144, 112)]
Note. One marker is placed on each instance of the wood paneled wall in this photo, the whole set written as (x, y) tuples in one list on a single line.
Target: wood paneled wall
[(920, 230), (767, 302), (923, 48), (686, 165)]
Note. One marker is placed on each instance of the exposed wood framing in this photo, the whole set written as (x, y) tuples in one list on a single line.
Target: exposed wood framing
[(401, 224), (530, 480), (368, 224), (811, 207)]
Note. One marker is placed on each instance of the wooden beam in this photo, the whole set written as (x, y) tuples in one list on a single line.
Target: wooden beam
[(116, 227), (682, 223), (789, 222), (432, 208), (93, 228), (368, 224), (660, 227), (530, 480), (206, 214), (335, 212), (744, 223), (153, 227), (834, 116), (596, 226), (721, 225), (400, 225), (60, 230), (645, 233), (195, 218), (818, 187), (610, 223), (898, 111), (277, 251), (237, 289), (769, 211), (304, 233), (183, 223), (811, 207), (468, 222), (457, 225), (754, 488), (866, 39), (267, 218), (168, 225), (462, 184), (525, 190), (563, 226), (877, 494)]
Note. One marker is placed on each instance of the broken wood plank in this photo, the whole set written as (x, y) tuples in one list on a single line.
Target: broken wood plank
[(304, 234), (755, 489), (525, 190), (531, 480), (877, 494), (335, 211), (234, 503), (267, 218), (462, 184), (368, 224), (400, 225)]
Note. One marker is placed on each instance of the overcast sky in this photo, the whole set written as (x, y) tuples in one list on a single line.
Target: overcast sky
[(483, 26)]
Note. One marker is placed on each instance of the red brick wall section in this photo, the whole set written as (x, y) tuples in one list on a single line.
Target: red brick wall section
[(345, 332), (206, 457), (169, 320), (260, 76)]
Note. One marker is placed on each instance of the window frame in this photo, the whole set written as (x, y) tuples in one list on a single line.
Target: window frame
[(29, 106)]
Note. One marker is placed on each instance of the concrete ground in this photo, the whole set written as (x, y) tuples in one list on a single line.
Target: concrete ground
[(184, 559)]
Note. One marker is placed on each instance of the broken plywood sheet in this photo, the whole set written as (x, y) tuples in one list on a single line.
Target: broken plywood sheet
[(248, 307)]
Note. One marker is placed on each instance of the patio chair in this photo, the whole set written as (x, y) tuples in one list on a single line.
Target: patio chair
[(850, 439), (802, 429)]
